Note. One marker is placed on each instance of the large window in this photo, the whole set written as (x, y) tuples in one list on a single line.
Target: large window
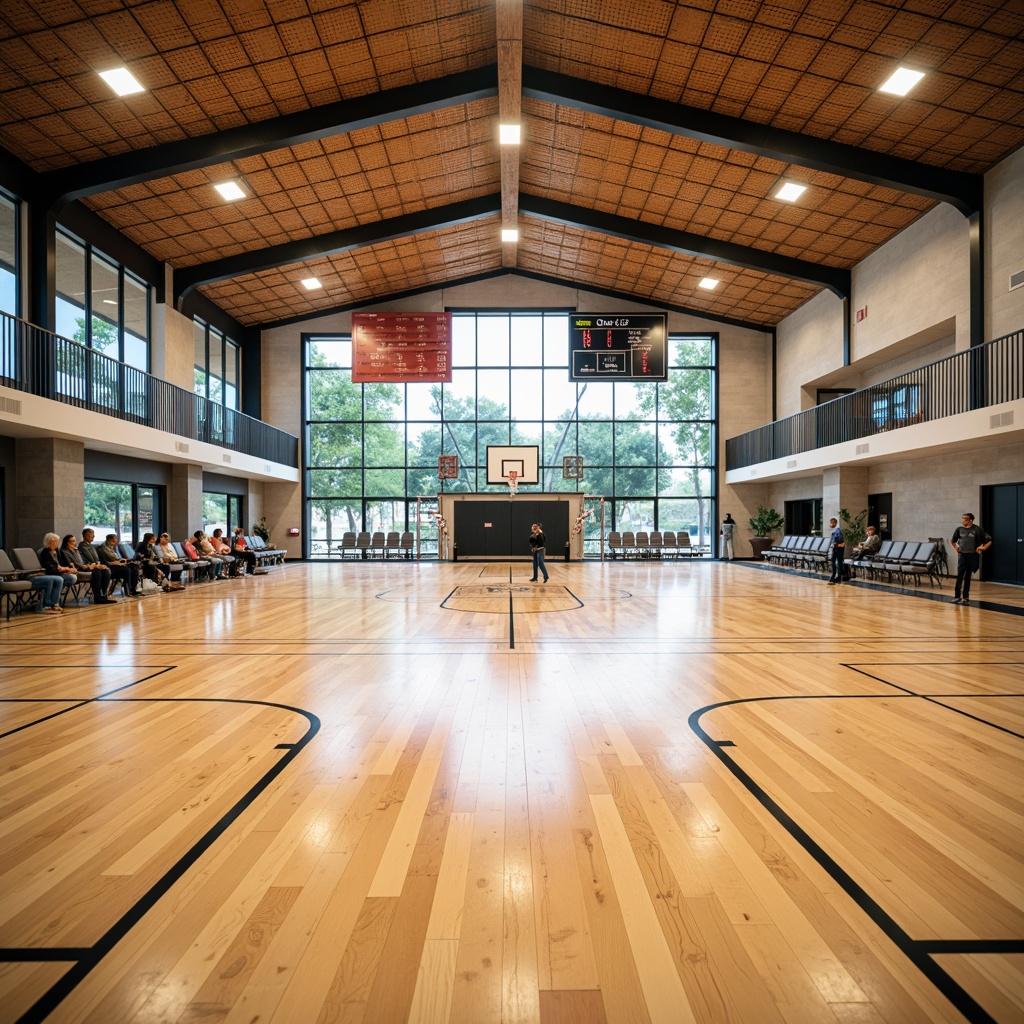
[(8, 255), (373, 448), (129, 510), (217, 365), (221, 512), (100, 304)]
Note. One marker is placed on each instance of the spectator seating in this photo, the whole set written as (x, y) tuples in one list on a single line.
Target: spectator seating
[(16, 590), (265, 556), (407, 543), (668, 543), (363, 543), (614, 543), (895, 561), (392, 544), (348, 543), (377, 543)]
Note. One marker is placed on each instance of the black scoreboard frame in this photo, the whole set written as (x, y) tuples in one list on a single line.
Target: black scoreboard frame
[(620, 344)]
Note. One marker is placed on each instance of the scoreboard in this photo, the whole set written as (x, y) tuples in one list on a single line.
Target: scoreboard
[(401, 348), (618, 346)]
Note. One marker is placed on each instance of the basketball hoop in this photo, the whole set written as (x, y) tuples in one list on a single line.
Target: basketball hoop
[(513, 482)]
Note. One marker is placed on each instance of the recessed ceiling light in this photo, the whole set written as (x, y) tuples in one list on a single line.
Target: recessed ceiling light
[(708, 282), (311, 284), (509, 134), (901, 81), (231, 190), (790, 192), (122, 81), (510, 234)]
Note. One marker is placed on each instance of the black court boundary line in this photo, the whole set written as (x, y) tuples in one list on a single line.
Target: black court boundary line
[(937, 698), (918, 952), (87, 958)]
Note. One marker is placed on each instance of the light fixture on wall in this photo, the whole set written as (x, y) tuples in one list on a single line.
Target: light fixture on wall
[(510, 234), (509, 134)]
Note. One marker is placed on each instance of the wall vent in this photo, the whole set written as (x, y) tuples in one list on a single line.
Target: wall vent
[(753, 472), (863, 449), (1001, 419), (266, 467), (791, 464), (226, 457), (1017, 280), (11, 405), (180, 446)]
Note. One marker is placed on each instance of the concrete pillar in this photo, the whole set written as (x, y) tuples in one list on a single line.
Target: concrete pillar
[(843, 487), (50, 484), (185, 501)]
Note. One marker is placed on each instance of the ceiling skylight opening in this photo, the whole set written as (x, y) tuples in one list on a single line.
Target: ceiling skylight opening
[(901, 81), (231, 190), (709, 283), (122, 81), (510, 234), (311, 284), (509, 134), (790, 192)]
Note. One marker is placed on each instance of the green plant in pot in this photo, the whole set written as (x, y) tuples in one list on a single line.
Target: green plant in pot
[(261, 531), (854, 527), (764, 525)]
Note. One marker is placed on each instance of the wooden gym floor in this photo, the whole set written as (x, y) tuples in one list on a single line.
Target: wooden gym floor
[(379, 792)]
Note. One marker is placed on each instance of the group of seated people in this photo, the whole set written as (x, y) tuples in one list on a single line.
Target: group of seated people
[(155, 558)]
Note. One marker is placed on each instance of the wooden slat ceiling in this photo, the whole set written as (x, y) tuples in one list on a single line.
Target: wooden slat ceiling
[(793, 66)]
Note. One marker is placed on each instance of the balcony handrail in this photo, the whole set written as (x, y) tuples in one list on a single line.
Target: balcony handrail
[(40, 362), (976, 378)]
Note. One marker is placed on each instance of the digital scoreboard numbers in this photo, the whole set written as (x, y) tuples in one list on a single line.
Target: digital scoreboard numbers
[(613, 346), (401, 348)]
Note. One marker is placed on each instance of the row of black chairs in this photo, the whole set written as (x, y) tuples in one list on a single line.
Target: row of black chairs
[(656, 544), (377, 544), (901, 561)]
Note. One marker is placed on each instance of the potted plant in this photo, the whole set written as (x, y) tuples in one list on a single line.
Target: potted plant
[(261, 531), (764, 524), (854, 527)]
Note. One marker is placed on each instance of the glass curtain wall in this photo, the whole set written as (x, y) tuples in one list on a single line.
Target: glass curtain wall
[(373, 448), (217, 367), (221, 511)]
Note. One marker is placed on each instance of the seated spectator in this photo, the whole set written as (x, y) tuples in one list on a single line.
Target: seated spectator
[(49, 559), (151, 563), (241, 551), (129, 573), (205, 550), (869, 545), (222, 548), (192, 553), (52, 587), (98, 572), (170, 560)]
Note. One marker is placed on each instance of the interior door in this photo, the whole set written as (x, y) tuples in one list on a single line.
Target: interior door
[(880, 514), (1003, 518)]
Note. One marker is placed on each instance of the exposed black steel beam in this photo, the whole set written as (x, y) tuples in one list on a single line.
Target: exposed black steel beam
[(252, 262), (835, 279), (112, 172), (959, 189)]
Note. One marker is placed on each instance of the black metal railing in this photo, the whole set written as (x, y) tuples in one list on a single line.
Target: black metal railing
[(979, 377), (42, 363)]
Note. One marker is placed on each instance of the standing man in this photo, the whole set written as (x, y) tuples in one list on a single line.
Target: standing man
[(728, 526), (537, 543), (838, 542), (968, 542)]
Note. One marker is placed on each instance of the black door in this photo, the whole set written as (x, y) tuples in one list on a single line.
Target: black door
[(1003, 518), (880, 514)]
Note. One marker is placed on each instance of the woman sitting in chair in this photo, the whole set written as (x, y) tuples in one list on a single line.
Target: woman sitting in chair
[(53, 565), (151, 563), (169, 559)]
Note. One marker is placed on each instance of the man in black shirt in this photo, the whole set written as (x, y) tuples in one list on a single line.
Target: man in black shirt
[(968, 542)]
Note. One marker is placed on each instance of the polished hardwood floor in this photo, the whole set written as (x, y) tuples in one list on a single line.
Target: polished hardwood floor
[(438, 792)]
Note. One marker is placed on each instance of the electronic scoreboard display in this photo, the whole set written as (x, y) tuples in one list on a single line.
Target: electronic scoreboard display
[(618, 346)]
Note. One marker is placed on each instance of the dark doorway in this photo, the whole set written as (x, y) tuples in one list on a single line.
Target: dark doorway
[(880, 514), (1002, 515), (501, 529), (803, 517)]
